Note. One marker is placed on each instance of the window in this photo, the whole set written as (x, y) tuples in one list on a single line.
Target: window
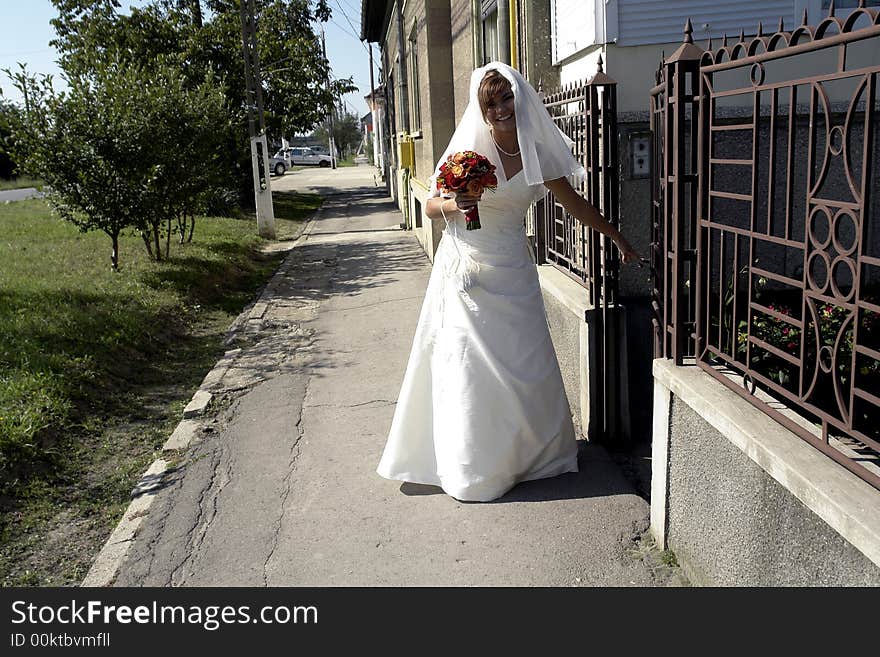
[(573, 27), (489, 24), (414, 86)]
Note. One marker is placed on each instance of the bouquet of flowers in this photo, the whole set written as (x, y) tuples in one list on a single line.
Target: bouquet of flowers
[(467, 171)]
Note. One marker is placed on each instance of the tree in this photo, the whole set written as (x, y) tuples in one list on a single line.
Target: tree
[(124, 147), (347, 134), (204, 38), (8, 114)]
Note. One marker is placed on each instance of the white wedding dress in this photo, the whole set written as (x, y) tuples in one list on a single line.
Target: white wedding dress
[(482, 405)]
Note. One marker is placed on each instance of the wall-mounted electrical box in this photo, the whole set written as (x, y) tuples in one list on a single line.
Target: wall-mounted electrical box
[(407, 153), (640, 155)]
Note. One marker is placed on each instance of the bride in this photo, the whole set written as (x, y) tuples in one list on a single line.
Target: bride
[(482, 405)]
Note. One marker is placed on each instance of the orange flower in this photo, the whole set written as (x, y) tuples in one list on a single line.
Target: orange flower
[(475, 187)]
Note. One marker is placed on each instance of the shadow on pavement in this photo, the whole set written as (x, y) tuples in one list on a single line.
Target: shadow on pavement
[(598, 477)]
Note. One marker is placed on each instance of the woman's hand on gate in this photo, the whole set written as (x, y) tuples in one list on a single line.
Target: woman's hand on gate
[(627, 253)]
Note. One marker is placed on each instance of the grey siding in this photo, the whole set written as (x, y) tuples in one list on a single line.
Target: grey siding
[(662, 21)]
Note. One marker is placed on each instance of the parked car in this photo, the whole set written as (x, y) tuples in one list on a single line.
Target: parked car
[(278, 163), (323, 150), (303, 155)]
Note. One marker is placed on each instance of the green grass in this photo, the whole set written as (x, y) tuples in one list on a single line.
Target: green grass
[(290, 208), (19, 183), (667, 557), (346, 161), (96, 366)]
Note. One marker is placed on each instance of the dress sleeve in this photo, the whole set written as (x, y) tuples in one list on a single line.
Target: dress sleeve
[(433, 192)]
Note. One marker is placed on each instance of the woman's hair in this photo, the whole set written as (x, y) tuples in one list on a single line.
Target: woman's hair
[(491, 85)]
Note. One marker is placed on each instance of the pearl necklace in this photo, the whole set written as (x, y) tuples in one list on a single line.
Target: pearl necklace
[(502, 150)]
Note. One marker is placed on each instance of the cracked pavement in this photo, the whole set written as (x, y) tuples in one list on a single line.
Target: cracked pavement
[(280, 489)]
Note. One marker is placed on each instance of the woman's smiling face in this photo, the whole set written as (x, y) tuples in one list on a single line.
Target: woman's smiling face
[(500, 111), (497, 102)]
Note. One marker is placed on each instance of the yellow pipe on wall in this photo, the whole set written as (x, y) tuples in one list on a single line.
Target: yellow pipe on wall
[(513, 41)]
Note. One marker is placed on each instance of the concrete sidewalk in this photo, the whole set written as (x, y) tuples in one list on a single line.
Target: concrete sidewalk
[(278, 486)]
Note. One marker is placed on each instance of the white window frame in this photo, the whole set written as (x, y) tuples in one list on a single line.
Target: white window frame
[(487, 8), (601, 32)]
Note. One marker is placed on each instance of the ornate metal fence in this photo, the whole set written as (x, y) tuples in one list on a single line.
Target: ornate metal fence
[(785, 226), (587, 113), (674, 106)]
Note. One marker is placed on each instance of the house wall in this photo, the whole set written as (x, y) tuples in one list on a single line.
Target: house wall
[(431, 22), (661, 21), (463, 63)]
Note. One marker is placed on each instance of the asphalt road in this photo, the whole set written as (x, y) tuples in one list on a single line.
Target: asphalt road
[(19, 194)]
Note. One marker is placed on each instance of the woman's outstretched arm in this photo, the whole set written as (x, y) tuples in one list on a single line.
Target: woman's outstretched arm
[(588, 215)]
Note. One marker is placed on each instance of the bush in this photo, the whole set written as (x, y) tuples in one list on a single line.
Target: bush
[(125, 147)]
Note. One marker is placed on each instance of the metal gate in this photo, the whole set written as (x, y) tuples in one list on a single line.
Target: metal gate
[(766, 202), (587, 112)]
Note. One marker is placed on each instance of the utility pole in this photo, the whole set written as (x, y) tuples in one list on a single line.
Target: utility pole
[(256, 122), (330, 117)]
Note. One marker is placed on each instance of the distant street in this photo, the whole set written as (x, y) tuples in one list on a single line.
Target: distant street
[(19, 194)]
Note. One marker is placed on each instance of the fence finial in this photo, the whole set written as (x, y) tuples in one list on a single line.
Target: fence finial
[(861, 4), (599, 64), (709, 43), (760, 29), (805, 20), (781, 25), (742, 36), (688, 30), (831, 9), (724, 42)]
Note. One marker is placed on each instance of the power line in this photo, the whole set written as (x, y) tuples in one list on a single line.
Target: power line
[(352, 7), (366, 47), (341, 27), (347, 19)]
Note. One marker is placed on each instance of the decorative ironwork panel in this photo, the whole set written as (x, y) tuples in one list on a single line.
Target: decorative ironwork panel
[(587, 113), (789, 230)]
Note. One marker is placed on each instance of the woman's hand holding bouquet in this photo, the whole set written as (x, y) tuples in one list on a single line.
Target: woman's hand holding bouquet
[(467, 173)]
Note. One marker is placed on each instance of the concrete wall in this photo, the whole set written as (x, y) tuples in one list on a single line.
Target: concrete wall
[(462, 35), (536, 56), (566, 307), (744, 502), (437, 89), (426, 230)]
